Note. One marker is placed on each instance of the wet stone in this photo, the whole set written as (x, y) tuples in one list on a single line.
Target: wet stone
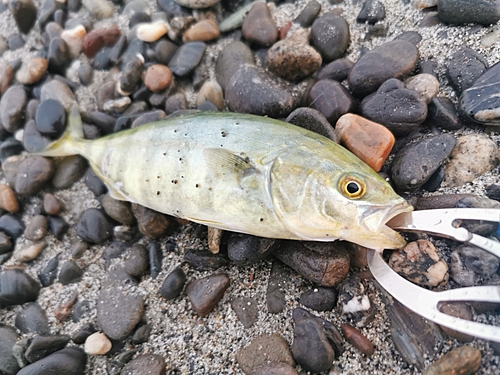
[(151, 223), (369, 141), (473, 156), (12, 226), (330, 35), (319, 298), (173, 284), (8, 338), (312, 120), (337, 70), (493, 191), (325, 264), (176, 102), (115, 250), (372, 12), (204, 294), (48, 274), (293, 59), (186, 58), (131, 75), (246, 249), (42, 346), (354, 303), (463, 12), (68, 361), (85, 74), (399, 109), (394, 59), (461, 360), (259, 26), (263, 349), (443, 113), (256, 91), (464, 68), (10, 147), (58, 55), (32, 319), (416, 163), (357, 339), (152, 364), (246, 309), (94, 226), (12, 105), (17, 287)]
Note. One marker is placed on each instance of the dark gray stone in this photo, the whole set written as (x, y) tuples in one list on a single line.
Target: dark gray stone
[(247, 249), (441, 112), (312, 120), (319, 298), (8, 338), (173, 284), (186, 58), (32, 319), (42, 346), (484, 12), (464, 68), (17, 287), (12, 105), (94, 226), (68, 361), (330, 35), (372, 12), (331, 99), (70, 273), (308, 14), (246, 309), (338, 70)]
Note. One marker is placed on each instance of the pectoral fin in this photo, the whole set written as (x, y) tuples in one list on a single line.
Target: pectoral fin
[(224, 163)]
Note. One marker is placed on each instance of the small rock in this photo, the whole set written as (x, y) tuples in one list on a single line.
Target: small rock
[(482, 262), (24, 13), (151, 223), (206, 293), (12, 105), (58, 226), (141, 334), (97, 39), (15, 41), (59, 91), (337, 70), (464, 68), (425, 84), (74, 40), (6, 77), (276, 368), (48, 274), (37, 228), (157, 77), (460, 310), (152, 31), (69, 171), (369, 141), (50, 118), (12, 226), (229, 61), (8, 200), (150, 364), (70, 273), (463, 12), (372, 12), (86, 330), (136, 261), (118, 210), (246, 309), (17, 287), (319, 298), (5, 244), (443, 113), (164, 51), (94, 226), (473, 156), (213, 92), (51, 204), (275, 298), (202, 31), (32, 71), (308, 14), (462, 360), (97, 344), (311, 119), (68, 361), (355, 303), (29, 253), (32, 319), (259, 26), (330, 35), (173, 284), (42, 346), (357, 339), (8, 338), (246, 249), (186, 58), (99, 9)]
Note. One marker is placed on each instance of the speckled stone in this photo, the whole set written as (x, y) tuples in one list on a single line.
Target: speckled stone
[(462, 360), (330, 35), (259, 26), (206, 293)]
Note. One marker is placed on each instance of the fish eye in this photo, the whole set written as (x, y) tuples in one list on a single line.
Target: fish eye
[(352, 187)]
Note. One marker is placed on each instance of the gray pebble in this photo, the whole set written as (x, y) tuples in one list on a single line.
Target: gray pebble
[(32, 319)]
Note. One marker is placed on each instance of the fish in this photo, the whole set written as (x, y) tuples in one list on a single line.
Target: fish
[(243, 173)]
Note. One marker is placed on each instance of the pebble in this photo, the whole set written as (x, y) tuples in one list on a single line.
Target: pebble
[(263, 349), (357, 339), (5, 244), (319, 299), (50, 118), (6, 77), (186, 58), (443, 113), (173, 284), (394, 59), (151, 31), (164, 51), (157, 77), (463, 12), (213, 92), (293, 58), (86, 330), (414, 165), (372, 11), (15, 42), (369, 141), (464, 68), (150, 364), (24, 13), (234, 55), (204, 294), (59, 91), (32, 71), (178, 26), (141, 334), (74, 40), (399, 109), (97, 39), (327, 263), (32, 175), (36, 228), (311, 119), (42, 346), (8, 338), (275, 298), (355, 303), (8, 200), (256, 91), (117, 105), (69, 171), (131, 76), (11, 225), (3, 46), (420, 263), (473, 156), (462, 360), (11, 146), (259, 26), (70, 273), (12, 104), (58, 226), (460, 310), (330, 35), (246, 309), (94, 226), (337, 70), (99, 9), (482, 262), (97, 344), (51, 204), (425, 84), (118, 210), (29, 253), (311, 347), (32, 319), (478, 102), (202, 31), (244, 249), (148, 117), (151, 223), (68, 361), (48, 274)]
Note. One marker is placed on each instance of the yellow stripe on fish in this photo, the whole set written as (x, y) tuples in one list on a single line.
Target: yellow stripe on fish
[(243, 173)]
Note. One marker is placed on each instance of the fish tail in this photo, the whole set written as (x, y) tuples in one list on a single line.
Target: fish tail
[(72, 139)]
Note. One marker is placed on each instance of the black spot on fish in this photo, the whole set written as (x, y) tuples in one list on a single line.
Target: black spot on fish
[(158, 192), (157, 176), (174, 181), (261, 219), (197, 185), (165, 153), (223, 133), (175, 130)]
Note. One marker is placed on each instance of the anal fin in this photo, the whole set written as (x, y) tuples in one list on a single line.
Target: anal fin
[(114, 192)]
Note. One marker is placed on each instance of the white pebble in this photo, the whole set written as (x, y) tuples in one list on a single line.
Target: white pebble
[(152, 31), (97, 343)]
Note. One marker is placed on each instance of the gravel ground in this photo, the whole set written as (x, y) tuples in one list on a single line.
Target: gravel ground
[(195, 345)]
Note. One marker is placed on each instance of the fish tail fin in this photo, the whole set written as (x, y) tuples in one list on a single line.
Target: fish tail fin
[(72, 139)]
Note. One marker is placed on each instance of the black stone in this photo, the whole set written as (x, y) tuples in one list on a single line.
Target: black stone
[(330, 35), (70, 273), (102, 59), (47, 11), (48, 274), (17, 287), (94, 226), (58, 55), (68, 361), (155, 258), (207, 105), (58, 226), (173, 284), (32, 319), (148, 117), (244, 249), (80, 310), (81, 336), (435, 181), (94, 183), (493, 191), (8, 363), (136, 262), (141, 334), (116, 50), (5, 243), (204, 260), (337, 70), (164, 51), (12, 226), (312, 120), (186, 58), (484, 12), (24, 13), (9, 147), (442, 113), (12, 105), (372, 12), (42, 346), (464, 68), (105, 122), (308, 14), (50, 118), (320, 298), (275, 298), (229, 61), (137, 18), (131, 75), (69, 171), (331, 99)]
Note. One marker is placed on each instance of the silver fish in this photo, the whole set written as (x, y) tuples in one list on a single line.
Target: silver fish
[(243, 173)]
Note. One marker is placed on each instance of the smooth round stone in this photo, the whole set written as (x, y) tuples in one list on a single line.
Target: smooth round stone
[(464, 68), (99, 9), (15, 42), (247, 249), (151, 223), (412, 37), (118, 210), (164, 51), (369, 141), (50, 118), (443, 113), (136, 262), (29, 253), (173, 284), (461, 360), (204, 294), (202, 31), (337, 70), (11, 146), (59, 91), (176, 102), (12, 226), (3, 45), (205, 260), (94, 226), (157, 77), (415, 163), (48, 274), (97, 39), (319, 298), (259, 26), (36, 228), (155, 259), (213, 92), (357, 339), (33, 173), (148, 117), (276, 368), (372, 12), (8, 338), (150, 364), (229, 61), (479, 103), (254, 90), (24, 13), (68, 361), (330, 35), (312, 120), (42, 346), (12, 105), (152, 31), (473, 156), (394, 59), (293, 58), (32, 319), (396, 107), (186, 58), (17, 287), (58, 55), (246, 309), (264, 349), (70, 273), (131, 76), (97, 344), (425, 84), (69, 171), (85, 74), (32, 71), (8, 200), (331, 99), (492, 191), (6, 77), (463, 12), (308, 14)]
